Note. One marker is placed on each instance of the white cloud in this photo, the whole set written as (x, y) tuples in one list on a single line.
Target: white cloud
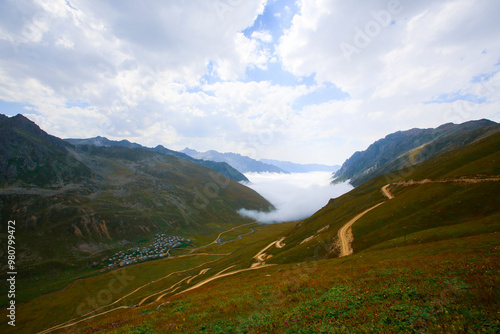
[(411, 49), (250, 53), (295, 196), (404, 54), (415, 50), (65, 42), (130, 62), (264, 36)]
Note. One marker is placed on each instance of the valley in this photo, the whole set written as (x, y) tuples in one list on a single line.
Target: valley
[(420, 243)]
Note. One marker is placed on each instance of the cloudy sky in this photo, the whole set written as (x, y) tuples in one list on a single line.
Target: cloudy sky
[(303, 81)]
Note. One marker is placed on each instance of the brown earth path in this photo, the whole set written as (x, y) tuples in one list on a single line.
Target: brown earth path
[(345, 245), (260, 257), (88, 316), (220, 234), (387, 193), (65, 325)]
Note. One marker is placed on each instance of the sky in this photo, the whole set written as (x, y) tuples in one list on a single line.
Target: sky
[(307, 81), (295, 196)]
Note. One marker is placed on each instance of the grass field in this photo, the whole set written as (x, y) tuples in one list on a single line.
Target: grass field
[(137, 282), (449, 286)]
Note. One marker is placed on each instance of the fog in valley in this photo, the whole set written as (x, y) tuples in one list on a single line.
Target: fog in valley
[(295, 196)]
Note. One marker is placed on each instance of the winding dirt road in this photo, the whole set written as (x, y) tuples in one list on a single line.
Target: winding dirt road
[(220, 234), (345, 245), (260, 257), (220, 275)]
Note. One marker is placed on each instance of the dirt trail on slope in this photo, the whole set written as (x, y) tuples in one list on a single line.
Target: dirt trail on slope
[(280, 244), (223, 275), (260, 257), (202, 272), (88, 316), (345, 238), (65, 325), (387, 193), (464, 180), (220, 234), (345, 247)]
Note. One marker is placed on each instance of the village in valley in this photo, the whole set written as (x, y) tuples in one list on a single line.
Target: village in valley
[(159, 248)]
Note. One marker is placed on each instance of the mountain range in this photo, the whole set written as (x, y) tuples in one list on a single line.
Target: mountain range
[(75, 202), (407, 148), (301, 168), (241, 163), (248, 165), (220, 167)]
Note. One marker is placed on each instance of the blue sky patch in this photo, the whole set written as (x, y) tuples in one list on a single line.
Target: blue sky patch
[(483, 77), (13, 108), (326, 92), (277, 76), (277, 17), (457, 96), (77, 104)]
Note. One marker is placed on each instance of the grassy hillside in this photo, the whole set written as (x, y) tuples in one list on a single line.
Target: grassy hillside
[(425, 261), (76, 207), (415, 208), (446, 287), (219, 167), (407, 148), (140, 194)]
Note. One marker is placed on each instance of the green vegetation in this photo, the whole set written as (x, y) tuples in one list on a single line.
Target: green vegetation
[(449, 287), (425, 261), (86, 295)]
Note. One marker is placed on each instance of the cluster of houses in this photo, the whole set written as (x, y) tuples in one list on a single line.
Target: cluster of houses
[(159, 248)]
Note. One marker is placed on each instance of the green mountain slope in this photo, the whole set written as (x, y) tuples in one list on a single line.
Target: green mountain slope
[(32, 157), (220, 167), (407, 148), (439, 202), (74, 205)]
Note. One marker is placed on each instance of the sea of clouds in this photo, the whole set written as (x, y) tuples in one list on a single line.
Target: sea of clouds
[(295, 196)]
